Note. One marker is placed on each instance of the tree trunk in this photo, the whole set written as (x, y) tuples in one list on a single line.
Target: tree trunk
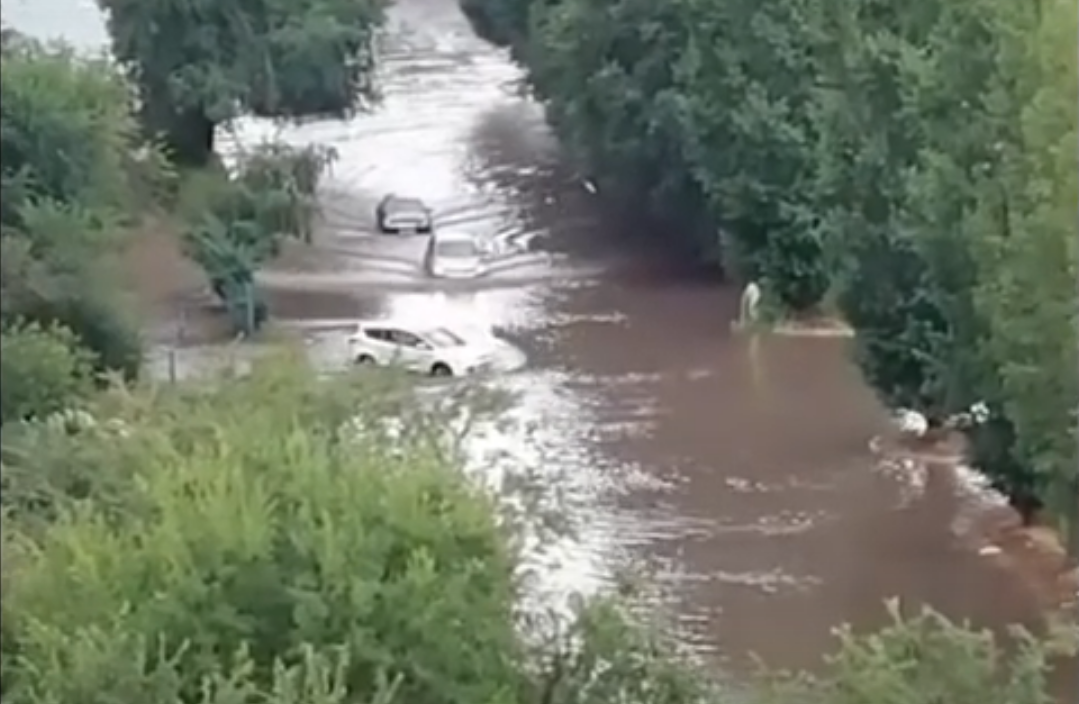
[(189, 138), (186, 133), (1027, 506)]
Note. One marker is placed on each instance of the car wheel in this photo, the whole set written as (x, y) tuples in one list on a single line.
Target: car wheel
[(440, 369), (365, 360)]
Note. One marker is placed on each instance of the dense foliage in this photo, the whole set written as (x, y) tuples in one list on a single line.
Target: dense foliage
[(200, 63), (912, 162), (66, 159), (262, 539), (43, 370)]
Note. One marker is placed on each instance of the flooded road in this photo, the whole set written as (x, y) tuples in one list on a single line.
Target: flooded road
[(736, 473)]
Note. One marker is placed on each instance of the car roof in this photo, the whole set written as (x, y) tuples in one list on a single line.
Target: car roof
[(406, 201), (408, 325)]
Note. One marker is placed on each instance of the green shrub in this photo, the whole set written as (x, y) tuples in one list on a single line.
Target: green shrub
[(254, 534), (67, 151), (926, 659), (42, 370), (67, 128)]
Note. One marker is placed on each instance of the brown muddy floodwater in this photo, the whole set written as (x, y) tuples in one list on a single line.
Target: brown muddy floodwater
[(739, 478)]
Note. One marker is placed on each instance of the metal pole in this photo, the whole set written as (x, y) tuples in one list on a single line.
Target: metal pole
[(249, 303)]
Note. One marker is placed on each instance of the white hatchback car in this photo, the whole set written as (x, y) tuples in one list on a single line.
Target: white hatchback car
[(455, 255), (430, 350)]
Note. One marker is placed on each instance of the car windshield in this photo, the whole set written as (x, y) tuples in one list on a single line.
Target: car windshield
[(441, 337), (456, 249)]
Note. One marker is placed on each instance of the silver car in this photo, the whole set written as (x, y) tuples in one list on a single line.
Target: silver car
[(400, 214), (455, 255)]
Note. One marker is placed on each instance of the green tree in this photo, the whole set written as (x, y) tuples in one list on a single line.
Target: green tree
[(503, 22), (876, 162), (67, 134), (934, 221), (652, 98), (747, 80), (67, 150), (201, 63), (1027, 248)]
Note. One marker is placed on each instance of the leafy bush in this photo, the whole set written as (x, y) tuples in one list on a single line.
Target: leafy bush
[(926, 659), (254, 538), (42, 370), (67, 130), (66, 146)]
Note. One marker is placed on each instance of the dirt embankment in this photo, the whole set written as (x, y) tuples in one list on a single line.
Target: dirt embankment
[(169, 290)]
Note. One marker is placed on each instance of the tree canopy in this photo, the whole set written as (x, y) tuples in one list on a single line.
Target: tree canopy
[(201, 63), (913, 163)]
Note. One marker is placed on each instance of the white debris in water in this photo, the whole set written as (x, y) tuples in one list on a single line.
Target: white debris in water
[(911, 422), (590, 186)]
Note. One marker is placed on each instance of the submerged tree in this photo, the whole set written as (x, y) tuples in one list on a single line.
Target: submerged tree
[(200, 63)]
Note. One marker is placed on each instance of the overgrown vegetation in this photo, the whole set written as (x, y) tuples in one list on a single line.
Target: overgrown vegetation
[(914, 162), (66, 155), (263, 539)]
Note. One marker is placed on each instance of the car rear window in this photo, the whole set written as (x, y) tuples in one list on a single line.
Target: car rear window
[(406, 205), (456, 248)]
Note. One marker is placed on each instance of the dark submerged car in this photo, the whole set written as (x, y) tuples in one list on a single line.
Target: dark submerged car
[(400, 214)]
